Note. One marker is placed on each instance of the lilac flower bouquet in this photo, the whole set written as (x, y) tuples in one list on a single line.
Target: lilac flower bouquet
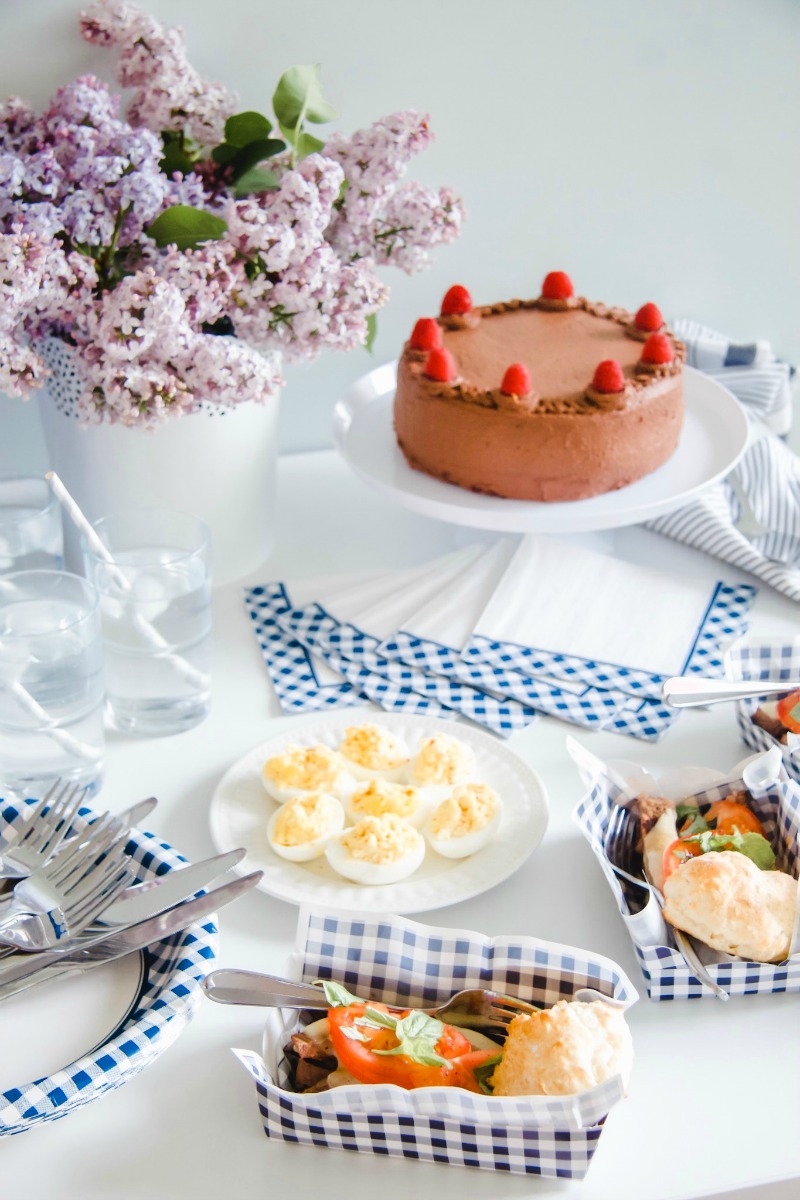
[(185, 250)]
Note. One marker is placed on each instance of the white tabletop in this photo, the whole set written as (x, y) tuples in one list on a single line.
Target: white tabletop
[(714, 1104)]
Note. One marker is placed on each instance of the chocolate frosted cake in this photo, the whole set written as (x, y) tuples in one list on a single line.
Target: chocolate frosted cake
[(551, 399)]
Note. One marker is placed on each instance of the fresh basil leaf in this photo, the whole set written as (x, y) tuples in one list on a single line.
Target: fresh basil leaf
[(417, 1035), (698, 824), (185, 227), (355, 1035), (484, 1072), (245, 127), (381, 1019), (754, 845), (298, 97), (758, 849), (337, 994)]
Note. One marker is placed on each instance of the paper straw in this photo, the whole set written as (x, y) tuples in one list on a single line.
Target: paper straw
[(49, 728), (141, 624)]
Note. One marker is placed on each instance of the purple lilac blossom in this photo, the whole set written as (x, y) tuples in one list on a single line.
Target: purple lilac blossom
[(294, 274)]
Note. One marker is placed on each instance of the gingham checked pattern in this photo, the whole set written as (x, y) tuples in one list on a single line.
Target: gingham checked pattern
[(316, 627), (726, 619), (666, 973), (765, 660), (387, 956), (311, 625), (583, 706), (289, 663), (174, 970)]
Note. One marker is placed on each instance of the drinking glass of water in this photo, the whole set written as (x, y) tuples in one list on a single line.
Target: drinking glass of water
[(31, 537), (51, 682), (155, 604)]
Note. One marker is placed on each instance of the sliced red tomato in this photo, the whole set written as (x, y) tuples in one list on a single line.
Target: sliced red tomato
[(677, 853), (359, 1057), (789, 711), (730, 815)]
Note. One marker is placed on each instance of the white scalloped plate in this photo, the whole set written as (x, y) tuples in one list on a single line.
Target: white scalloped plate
[(240, 810)]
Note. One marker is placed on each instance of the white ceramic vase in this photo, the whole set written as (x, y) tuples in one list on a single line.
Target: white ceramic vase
[(218, 463)]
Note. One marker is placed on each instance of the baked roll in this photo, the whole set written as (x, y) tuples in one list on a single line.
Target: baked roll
[(726, 901)]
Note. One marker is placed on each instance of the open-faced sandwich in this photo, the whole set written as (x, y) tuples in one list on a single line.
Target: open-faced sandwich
[(557, 1051), (779, 718), (717, 872)]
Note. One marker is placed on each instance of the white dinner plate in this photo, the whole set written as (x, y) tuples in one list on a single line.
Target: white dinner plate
[(713, 438), (240, 810), (37, 1041), (75, 1038)]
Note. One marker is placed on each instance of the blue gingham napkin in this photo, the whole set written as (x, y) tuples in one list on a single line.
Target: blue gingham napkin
[(767, 475), (302, 682), (575, 615)]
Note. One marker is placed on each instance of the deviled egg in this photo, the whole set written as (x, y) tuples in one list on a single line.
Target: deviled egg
[(465, 822), (379, 796), (303, 769), (377, 850), (373, 752), (442, 760), (302, 827)]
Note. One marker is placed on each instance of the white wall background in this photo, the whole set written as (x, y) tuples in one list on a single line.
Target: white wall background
[(649, 148)]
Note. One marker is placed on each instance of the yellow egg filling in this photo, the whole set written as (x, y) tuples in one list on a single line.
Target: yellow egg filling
[(467, 810), (380, 840), (380, 797), (443, 760), (305, 819), (372, 747), (304, 767)]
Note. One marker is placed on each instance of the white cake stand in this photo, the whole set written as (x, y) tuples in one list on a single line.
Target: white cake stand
[(713, 438)]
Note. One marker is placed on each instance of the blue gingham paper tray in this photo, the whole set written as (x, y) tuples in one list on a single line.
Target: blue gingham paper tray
[(776, 802), (766, 659), (174, 969), (401, 961)]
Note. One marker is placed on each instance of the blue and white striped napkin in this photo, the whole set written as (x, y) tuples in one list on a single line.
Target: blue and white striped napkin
[(768, 474)]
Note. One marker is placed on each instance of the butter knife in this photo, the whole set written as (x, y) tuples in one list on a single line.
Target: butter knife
[(29, 970), (137, 903)]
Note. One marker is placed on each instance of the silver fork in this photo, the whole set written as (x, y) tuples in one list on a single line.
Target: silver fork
[(43, 832), (70, 891), (472, 1008), (620, 845)]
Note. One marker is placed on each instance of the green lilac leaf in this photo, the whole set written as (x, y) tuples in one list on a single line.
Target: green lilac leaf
[(246, 127), (298, 97), (301, 142), (185, 227), (372, 330), (175, 157), (253, 181), (224, 153), (254, 153)]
